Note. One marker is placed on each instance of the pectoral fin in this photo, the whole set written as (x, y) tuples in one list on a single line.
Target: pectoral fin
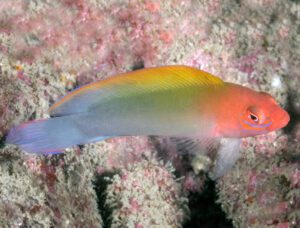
[(228, 154), (224, 152), (188, 145)]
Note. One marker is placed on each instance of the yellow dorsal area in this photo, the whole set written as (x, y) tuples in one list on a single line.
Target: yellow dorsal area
[(139, 81)]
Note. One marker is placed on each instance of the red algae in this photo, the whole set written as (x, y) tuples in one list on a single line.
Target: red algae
[(78, 28), (48, 173)]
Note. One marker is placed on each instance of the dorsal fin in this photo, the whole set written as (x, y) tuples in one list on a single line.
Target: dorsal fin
[(146, 80)]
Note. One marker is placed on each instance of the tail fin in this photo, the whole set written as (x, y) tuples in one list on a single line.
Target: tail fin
[(48, 136)]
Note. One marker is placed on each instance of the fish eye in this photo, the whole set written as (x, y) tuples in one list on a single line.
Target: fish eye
[(253, 117)]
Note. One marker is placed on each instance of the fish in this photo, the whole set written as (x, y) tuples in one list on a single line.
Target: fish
[(174, 101)]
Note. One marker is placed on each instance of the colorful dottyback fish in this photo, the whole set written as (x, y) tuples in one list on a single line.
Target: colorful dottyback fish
[(177, 101)]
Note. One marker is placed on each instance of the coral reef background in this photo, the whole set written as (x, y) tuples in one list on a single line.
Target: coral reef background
[(49, 47)]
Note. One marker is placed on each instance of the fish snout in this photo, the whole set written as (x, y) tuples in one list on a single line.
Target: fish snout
[(285, 119), (280, 121)]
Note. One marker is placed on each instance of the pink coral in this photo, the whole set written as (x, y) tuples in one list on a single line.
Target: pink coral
[(140, 192)]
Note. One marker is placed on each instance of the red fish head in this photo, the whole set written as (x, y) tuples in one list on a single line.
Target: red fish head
[(251, 113), (262, 115)]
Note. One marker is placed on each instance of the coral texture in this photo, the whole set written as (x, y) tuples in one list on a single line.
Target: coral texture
[(49, 47), (155, 201)]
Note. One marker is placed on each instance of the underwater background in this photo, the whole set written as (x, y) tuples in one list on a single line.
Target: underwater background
[(50, 47)]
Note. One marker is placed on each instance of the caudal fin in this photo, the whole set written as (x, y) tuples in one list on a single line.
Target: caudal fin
[(48, 136)]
